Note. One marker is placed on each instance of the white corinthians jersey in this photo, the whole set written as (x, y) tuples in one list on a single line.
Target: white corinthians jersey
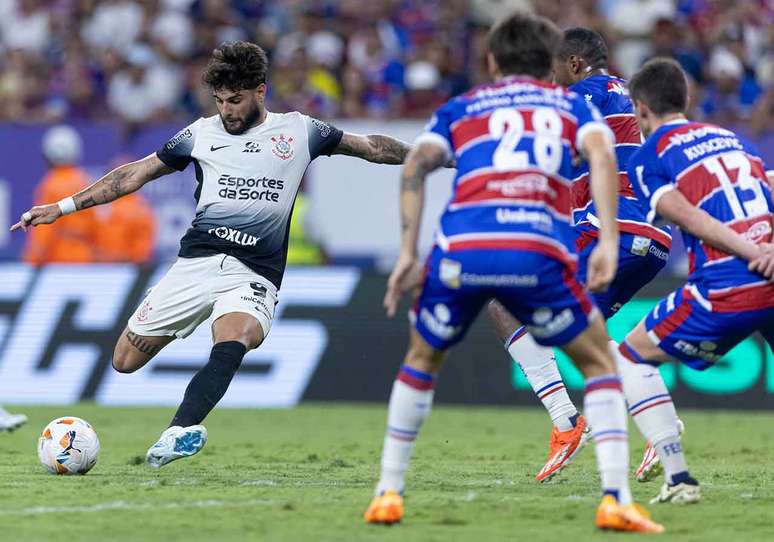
[(247, 185)]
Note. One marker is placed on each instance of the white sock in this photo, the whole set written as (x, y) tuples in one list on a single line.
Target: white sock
[(538, 364), (651, 407), (605, 411), (410, 404)]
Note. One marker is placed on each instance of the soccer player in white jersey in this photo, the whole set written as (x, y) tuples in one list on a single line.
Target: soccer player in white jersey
[(248, 163)]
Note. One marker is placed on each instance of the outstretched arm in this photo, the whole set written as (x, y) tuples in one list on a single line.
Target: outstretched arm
[(422, 160), (119, 182), (380, 149)]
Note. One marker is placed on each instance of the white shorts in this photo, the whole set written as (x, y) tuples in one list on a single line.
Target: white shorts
[(196, 288)]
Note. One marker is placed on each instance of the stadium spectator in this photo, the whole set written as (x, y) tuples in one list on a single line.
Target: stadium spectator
[(73, 238), (70, 60), (147, 89), (732, 89)]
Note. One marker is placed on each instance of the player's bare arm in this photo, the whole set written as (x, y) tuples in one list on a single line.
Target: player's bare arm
[(603, 261), (121, 181), (676, 208), (380, 149), (421, 161)]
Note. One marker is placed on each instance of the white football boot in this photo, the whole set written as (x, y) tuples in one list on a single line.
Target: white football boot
[(176, 442), (10, 422), (686, 493)]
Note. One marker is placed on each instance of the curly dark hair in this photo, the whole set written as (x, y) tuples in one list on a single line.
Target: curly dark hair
[(236, 66)]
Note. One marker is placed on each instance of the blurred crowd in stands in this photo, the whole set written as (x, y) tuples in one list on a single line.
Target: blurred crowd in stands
[(140, 60)]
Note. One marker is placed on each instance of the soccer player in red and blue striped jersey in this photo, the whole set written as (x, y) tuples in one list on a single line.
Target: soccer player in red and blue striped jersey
[(581, 65), (713, 185), (507, 234)]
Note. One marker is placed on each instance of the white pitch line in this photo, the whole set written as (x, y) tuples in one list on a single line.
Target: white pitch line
[(123, 505)]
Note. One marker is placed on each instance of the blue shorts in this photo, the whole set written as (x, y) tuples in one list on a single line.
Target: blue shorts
[(684, 327), (640, 259), (540, 291)]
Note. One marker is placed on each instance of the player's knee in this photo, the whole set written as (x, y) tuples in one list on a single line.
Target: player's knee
[(123, 363), (423, 357), (251, 337)]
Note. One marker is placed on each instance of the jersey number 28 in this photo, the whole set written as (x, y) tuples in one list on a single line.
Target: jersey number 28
[(507, 125)]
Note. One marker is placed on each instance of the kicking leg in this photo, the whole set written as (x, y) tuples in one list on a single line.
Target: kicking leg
[(654, 413), (233, 334), (538, 363), (410, 403), (133, 351)]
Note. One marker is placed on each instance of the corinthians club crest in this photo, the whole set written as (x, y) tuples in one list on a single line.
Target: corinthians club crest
[(283, 148)]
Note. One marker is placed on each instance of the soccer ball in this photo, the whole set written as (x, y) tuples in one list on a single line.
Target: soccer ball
[(68, 446)]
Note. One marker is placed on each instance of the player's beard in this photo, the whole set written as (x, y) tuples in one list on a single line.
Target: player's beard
[(237, 128)]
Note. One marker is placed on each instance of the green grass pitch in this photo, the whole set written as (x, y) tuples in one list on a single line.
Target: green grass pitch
[(308, 474)]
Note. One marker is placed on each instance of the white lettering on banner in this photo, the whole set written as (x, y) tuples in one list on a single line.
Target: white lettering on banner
[(292, 350), (100, 293)]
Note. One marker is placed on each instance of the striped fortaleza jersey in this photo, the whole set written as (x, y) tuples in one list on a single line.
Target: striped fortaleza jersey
[(611, 96), (514, 142), (724, 176)]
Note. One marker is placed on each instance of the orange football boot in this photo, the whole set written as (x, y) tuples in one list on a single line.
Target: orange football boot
[(613, 516), (385, 509), (565, 445)]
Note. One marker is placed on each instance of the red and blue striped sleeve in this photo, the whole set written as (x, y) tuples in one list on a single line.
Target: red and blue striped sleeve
[(438, 131), (588, 119)]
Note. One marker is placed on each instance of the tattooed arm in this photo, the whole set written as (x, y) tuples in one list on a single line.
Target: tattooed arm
[(119, 182), (380, 149), (422, 160)]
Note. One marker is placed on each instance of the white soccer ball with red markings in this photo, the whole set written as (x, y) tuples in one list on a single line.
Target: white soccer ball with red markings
[(68, 445)]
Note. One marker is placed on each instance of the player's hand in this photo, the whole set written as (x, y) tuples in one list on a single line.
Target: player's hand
[(602, 266), (764, 263), (43, 214), (406, 275)]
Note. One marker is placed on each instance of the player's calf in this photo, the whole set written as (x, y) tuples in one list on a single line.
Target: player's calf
[(410, 403), (605, 408), (651, 407), (133, 351)]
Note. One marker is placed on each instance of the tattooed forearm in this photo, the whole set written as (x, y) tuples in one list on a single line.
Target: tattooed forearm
[(121, 181), (380, 149), (387, 150), (142, 344)]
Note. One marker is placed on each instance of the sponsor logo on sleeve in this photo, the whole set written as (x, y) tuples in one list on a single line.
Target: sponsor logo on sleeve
[(175, 141), (325, 129)]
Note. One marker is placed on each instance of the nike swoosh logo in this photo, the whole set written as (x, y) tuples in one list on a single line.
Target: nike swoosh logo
[(213, 148)]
